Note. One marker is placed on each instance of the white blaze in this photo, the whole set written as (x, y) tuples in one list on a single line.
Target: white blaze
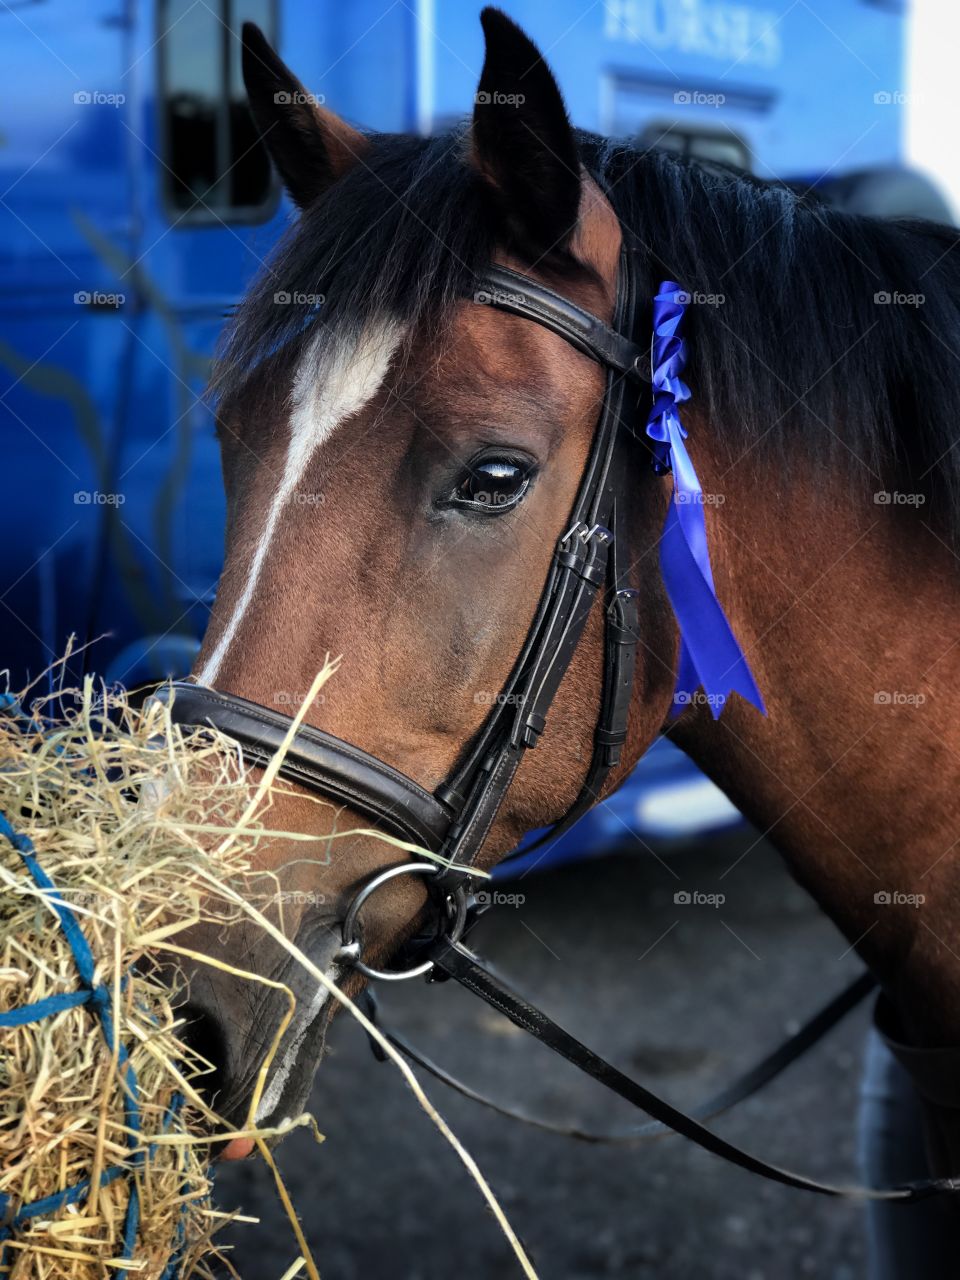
[(327, 389)]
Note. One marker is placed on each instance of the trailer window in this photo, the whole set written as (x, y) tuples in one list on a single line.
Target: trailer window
[(214, 166), (721, 146)]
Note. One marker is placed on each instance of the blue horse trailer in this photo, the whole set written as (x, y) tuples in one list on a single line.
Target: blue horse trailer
[(137, 203)]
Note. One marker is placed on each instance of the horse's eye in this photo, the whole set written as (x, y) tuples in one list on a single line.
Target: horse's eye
[(493, 485)]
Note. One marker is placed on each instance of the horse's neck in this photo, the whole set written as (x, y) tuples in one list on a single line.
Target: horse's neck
[(850, 614)]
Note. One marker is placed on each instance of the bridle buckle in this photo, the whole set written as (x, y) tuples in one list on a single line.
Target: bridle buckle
[(583, 549)]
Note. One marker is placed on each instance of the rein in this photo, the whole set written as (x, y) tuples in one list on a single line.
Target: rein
[(738, 1090), (454, 821), (448, 958)]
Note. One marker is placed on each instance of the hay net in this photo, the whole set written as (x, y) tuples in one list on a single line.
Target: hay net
[(105, 850)]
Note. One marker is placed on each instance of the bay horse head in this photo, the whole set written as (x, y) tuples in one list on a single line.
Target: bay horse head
[(401, 465)]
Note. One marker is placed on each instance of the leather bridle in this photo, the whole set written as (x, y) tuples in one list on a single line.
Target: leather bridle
[(455, 820)]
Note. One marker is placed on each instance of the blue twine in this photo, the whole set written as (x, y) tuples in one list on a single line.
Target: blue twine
[(99, 997), (10, 705)]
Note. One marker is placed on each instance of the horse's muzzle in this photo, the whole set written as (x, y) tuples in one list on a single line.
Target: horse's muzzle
[(233, 1023)]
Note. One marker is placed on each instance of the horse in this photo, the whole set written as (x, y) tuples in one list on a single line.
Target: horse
[(400, 461)]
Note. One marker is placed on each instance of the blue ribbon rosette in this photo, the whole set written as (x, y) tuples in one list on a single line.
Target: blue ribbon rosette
[(710, 655)]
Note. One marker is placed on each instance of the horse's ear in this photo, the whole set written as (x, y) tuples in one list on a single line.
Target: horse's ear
[(310, 146), (522, 140)]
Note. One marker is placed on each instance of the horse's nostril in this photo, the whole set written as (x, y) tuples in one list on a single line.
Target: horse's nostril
[(203, 1033)]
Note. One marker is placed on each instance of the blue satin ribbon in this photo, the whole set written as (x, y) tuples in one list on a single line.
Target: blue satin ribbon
[(710, 655)]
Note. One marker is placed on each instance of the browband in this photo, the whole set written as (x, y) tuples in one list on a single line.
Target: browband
[(508, 290)]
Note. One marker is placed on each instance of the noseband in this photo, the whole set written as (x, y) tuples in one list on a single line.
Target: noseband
[(454, 820)]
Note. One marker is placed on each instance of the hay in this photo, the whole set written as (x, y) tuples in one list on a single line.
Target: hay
[(116, 802), (143, 829)]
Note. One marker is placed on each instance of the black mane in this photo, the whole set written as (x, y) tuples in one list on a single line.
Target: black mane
[(402, 233), (800, 356)]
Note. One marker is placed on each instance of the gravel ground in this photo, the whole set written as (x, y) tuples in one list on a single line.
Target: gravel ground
[(683, 996)]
